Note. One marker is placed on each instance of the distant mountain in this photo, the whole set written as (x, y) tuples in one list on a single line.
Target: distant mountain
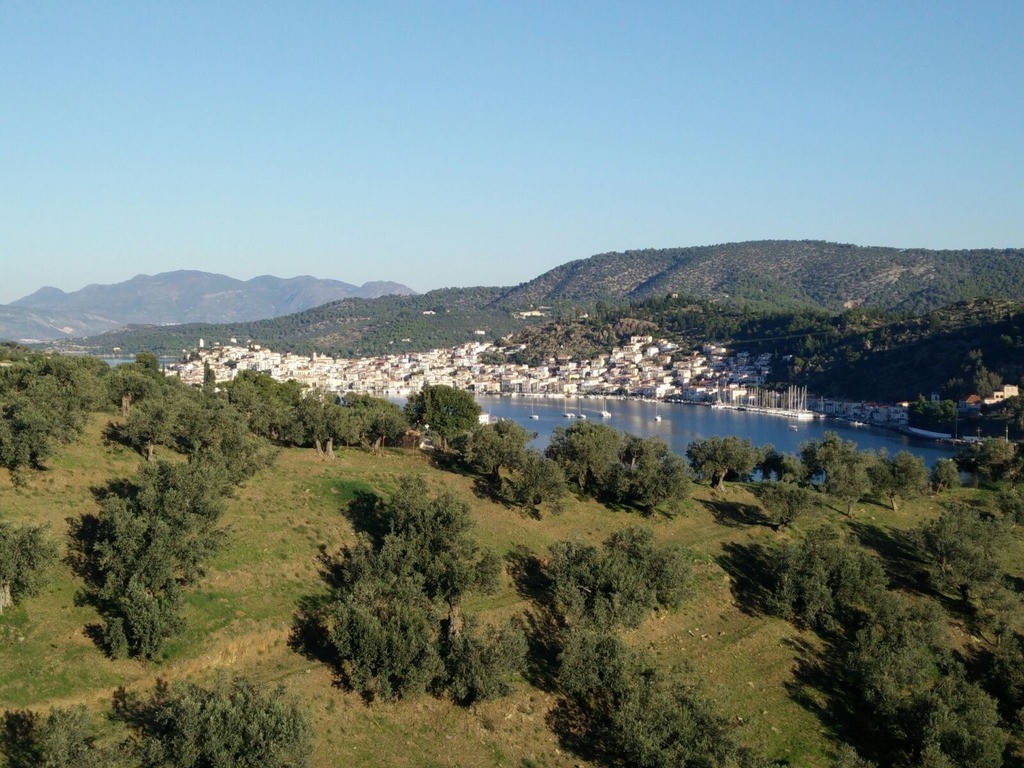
[(782, 273), (171, 298)]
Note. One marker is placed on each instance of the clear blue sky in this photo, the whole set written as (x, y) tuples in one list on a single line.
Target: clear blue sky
[(482, 143)]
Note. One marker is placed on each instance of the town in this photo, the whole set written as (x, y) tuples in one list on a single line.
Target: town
[(645, 367)]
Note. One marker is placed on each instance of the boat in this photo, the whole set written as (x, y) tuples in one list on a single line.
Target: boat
[(606, 414), (857, 424), (533, 411), (657, 416), (793, 428), (568, 414)]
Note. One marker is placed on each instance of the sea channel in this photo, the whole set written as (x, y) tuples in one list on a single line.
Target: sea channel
[(682, 423)]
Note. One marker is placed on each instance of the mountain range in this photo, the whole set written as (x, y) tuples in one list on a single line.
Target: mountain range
[(774, 274), (171, 298)]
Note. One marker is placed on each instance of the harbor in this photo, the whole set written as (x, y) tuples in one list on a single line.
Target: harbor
[(682, 423)]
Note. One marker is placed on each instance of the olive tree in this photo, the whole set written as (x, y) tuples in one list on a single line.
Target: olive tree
[(623, 708), (945, 475), (232, 723), (63, 738), (620, 583), (492, 447), (902, 476), (716, 458), (962, 546), (587, 453), (783, 502), (394, 624), (26, 554), (447, 411)]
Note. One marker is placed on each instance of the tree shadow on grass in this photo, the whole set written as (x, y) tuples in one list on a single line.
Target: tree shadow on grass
[(819, 685), (576, 732), (1013, 583), (542, 624), (114, 434), (544, 632), (527, 573), (734, 514), (82, 558), (823, 686), (83, 533), (120, 487), (749, 567), (486, 488), (899, 554), (450, 462), (364, 512), (308, 637), (17, 739)]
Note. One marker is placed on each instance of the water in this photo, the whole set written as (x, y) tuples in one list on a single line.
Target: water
[(681, 424)]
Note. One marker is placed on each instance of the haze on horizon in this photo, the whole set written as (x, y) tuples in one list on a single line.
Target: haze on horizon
[(463, 144)]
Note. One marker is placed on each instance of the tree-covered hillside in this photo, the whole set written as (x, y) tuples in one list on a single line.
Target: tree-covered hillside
[(350, 327), (261, 575), (858, 353), (757, 277), (783, 273)]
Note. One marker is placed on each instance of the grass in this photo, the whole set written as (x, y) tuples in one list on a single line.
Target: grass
[(239, 615)]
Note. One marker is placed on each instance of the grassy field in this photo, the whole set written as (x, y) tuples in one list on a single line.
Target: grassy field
[(239, 616)]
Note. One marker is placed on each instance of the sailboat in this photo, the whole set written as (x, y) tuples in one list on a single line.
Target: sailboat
[(657, 416), (605, 414), (568, 414), (533, 410), (579, 410)]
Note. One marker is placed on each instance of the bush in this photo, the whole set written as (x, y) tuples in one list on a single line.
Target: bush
[(823, 582), (623, 709), (481, 666), (234, 723), (619, 584)]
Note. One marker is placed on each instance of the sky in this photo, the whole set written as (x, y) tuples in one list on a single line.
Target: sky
[(482, 143)]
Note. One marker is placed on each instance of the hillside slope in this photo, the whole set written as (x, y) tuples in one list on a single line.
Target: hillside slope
[(788, 272), (351, 327), (772, 275)]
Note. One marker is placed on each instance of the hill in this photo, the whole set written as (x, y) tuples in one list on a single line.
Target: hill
[(773, 276), (764, 674), (351, 327), (857, 354), (787, 273), (184, 296)]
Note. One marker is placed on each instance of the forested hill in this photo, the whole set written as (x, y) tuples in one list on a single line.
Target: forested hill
[(787, 273), (859, 353), (767, 275), (350, 327)]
